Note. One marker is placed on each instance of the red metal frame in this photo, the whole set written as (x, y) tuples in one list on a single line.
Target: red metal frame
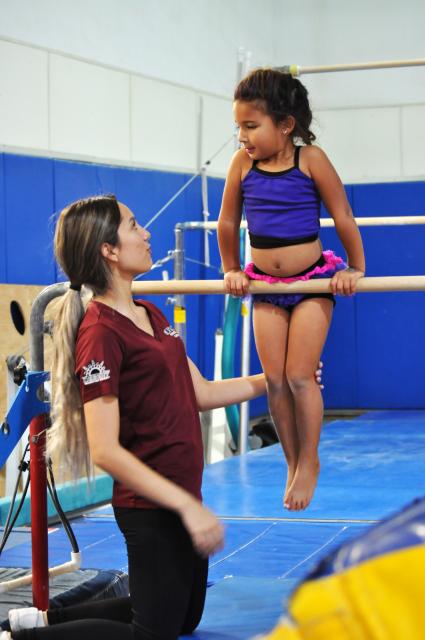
[(38, 474)]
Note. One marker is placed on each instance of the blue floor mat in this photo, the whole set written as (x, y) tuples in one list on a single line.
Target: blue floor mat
[(371, 466)]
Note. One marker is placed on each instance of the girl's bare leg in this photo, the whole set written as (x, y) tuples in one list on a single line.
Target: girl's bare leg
[(271, 326), (309, 324)]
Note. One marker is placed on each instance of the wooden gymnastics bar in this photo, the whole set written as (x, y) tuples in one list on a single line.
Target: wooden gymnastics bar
[(376, 221), (296, 70), (385, 221), (365, 285)]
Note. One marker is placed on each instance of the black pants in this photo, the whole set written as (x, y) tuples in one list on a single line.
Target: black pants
[(168, 581)]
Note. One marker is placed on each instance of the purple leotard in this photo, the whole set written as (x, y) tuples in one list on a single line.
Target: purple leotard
[(282, 208)]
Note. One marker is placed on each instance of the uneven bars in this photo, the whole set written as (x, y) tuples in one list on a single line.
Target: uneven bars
[(296, 70), (384, 221), (364, 285)]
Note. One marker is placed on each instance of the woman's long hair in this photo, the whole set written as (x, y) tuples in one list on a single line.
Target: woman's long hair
[(81, 230)]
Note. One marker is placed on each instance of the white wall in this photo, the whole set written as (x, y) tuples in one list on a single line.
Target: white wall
[(188, 42), (149, 83), (342, 31), (66, 107)]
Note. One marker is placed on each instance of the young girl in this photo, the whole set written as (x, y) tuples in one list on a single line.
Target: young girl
[(126, 398), (281, 185)]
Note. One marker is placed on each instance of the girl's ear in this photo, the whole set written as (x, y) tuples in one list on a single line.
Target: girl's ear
[(109, 252), (288, 124)]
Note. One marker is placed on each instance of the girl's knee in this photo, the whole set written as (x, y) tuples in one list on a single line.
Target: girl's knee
[(276, 384), (300, 382)]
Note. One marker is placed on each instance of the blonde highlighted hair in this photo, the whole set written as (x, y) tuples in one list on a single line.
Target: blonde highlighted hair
[(81, 230)]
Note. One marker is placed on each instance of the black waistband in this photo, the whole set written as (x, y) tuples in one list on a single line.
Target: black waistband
[(319, 263), (269, 242)]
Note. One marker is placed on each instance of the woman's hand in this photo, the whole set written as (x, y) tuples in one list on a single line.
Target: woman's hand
[(204, 528), (344, 283), (236, 282)]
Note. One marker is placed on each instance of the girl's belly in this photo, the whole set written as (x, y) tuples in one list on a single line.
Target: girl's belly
[(287, 261)]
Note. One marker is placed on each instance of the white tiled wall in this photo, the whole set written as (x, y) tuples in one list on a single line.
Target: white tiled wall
[(89, 109), (413, 140), (361, 143), (164, 124), (60, 105), (217, 129), (24, 110)]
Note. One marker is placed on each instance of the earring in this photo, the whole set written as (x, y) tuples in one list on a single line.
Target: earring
[(284, 131)]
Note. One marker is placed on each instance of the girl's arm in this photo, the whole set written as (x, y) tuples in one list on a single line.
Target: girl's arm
[(102, 424), (228, 229), (333, 195), (221, 393)]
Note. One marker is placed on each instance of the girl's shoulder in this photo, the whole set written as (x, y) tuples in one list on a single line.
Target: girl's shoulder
[(312, 152), (243, 162), (240, 165), (310, 156)]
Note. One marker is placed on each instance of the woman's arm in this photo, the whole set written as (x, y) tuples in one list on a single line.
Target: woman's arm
[(102, 424), (333, 195), (228, 229), (220, 393)]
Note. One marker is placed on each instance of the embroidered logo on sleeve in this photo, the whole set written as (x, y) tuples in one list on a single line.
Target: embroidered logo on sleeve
[(169, 331), (95, 372)]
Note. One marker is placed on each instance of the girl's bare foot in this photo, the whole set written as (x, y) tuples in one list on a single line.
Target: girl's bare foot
[(301, 491), (289, 480)]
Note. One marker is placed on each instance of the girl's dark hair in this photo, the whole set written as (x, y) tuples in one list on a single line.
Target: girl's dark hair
[(81, 230), (279, 95)]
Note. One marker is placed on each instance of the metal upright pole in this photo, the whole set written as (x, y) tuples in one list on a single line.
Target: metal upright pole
[(205, 214), (38, 475), (245, 359), (39, 544), (243, 68), (179, 302)]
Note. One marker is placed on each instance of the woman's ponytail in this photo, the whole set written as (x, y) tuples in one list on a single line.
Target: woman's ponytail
[(81, 230)]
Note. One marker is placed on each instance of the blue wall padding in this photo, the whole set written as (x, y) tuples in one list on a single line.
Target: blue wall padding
[(375, 353), (29, 190), (389, 199), (391, 350)]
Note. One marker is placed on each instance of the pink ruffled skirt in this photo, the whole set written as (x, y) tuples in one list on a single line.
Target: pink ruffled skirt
[(327, 265)]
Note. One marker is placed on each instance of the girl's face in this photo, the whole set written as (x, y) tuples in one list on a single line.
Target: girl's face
[(258, 133), (133, 253)]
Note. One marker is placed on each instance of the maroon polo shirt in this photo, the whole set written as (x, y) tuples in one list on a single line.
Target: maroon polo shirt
[(150, 376)]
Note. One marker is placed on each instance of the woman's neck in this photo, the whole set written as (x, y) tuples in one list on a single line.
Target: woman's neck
[(118, 296)]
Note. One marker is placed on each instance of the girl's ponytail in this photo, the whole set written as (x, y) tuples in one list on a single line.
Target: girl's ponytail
[(300, 110)]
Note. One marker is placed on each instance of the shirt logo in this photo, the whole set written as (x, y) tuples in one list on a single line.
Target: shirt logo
[(169, 331), (95, 372)]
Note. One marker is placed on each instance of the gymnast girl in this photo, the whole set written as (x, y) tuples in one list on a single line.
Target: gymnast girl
[(280, 179)]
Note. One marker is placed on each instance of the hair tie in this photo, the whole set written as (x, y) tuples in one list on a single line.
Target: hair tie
[(75, 287)]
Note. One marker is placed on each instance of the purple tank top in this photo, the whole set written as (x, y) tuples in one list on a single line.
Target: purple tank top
[(282, 208)]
